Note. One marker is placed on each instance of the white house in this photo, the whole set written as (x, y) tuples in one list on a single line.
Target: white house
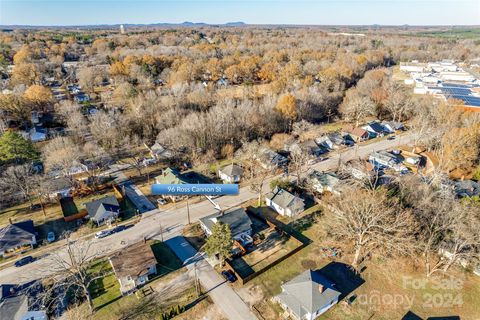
[(103, 210), (284, 203), (231, 173), (308, 295)]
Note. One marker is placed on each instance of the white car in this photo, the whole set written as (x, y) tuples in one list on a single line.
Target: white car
[(161, 201), (102, 234)]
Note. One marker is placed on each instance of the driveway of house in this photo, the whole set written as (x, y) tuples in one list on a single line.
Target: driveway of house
[(231, 305)]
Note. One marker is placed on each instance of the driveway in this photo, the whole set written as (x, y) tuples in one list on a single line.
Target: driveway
[(231, 305), (130, 190)]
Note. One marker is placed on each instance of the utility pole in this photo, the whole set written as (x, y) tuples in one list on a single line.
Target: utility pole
[(188, 211), (161, 231), (197, 287)]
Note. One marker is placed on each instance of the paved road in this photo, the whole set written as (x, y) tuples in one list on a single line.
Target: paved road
[(231, 305), (168, 224)]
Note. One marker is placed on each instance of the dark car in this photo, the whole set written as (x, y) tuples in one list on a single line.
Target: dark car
[(24, 261), (118, 229), (391, 138), (229, 276)]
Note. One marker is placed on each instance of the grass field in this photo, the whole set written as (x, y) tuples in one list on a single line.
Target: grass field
[(453, 33)]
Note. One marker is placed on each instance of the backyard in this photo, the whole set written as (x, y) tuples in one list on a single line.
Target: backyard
[(386, 289)]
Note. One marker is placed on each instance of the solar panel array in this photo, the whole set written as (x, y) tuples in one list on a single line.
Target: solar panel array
[(460, 92)]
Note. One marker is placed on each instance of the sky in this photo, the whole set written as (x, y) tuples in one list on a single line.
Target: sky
[(314, 12)]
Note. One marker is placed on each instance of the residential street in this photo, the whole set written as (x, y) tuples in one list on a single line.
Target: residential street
[(168, 224)]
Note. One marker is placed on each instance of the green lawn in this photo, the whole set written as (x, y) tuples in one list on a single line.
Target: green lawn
[(107, 289)]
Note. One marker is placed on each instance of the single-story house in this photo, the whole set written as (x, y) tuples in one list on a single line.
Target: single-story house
[(308, 295), (324, 181), (21, 302), (231, 173), (270, 159), (17, 237), (325, 142), (383, 159), (60, 188), (171, 176), (375, 129), (133, 265), (357, 134), (103, 210), (393, 126), (158, 151), (236, 218), (13, 308), (81, 97), (466, 188), (309, 148), (38, 134), (284, 203)]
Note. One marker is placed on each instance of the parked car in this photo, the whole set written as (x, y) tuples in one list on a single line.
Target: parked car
[(391, 138), (103, 234), (24, 261), (51, 236), (229, 276), (161, 201), (118, 229)]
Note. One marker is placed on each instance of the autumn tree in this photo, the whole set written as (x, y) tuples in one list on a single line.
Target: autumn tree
[(38, 96), (25, 73), (287, 106)]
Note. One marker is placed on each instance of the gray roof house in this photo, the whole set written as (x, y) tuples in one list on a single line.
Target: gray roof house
[(284, 203), (13, 308), (466, 188), (103, 210), (158, 151), (324, 181), (236, 218), (270, 159), (308, 295), (17, 237), (231, 173)]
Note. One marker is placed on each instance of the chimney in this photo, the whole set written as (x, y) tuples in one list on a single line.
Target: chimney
[(320, 288), (10, 220)]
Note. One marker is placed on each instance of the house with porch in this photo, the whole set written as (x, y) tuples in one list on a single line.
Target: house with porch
[(133, 266), (17, 238), (104, 210)]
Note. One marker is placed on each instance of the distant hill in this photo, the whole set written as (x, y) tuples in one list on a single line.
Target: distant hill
[(126, 25)]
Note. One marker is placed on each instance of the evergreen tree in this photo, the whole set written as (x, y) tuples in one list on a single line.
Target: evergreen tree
[(14, 148), (220, 242)]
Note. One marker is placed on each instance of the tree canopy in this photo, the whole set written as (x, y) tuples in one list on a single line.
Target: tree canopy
[(14, 148)]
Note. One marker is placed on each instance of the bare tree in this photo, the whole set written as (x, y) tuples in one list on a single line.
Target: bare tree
[(19, 179), (73, 272), (372, 221)]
